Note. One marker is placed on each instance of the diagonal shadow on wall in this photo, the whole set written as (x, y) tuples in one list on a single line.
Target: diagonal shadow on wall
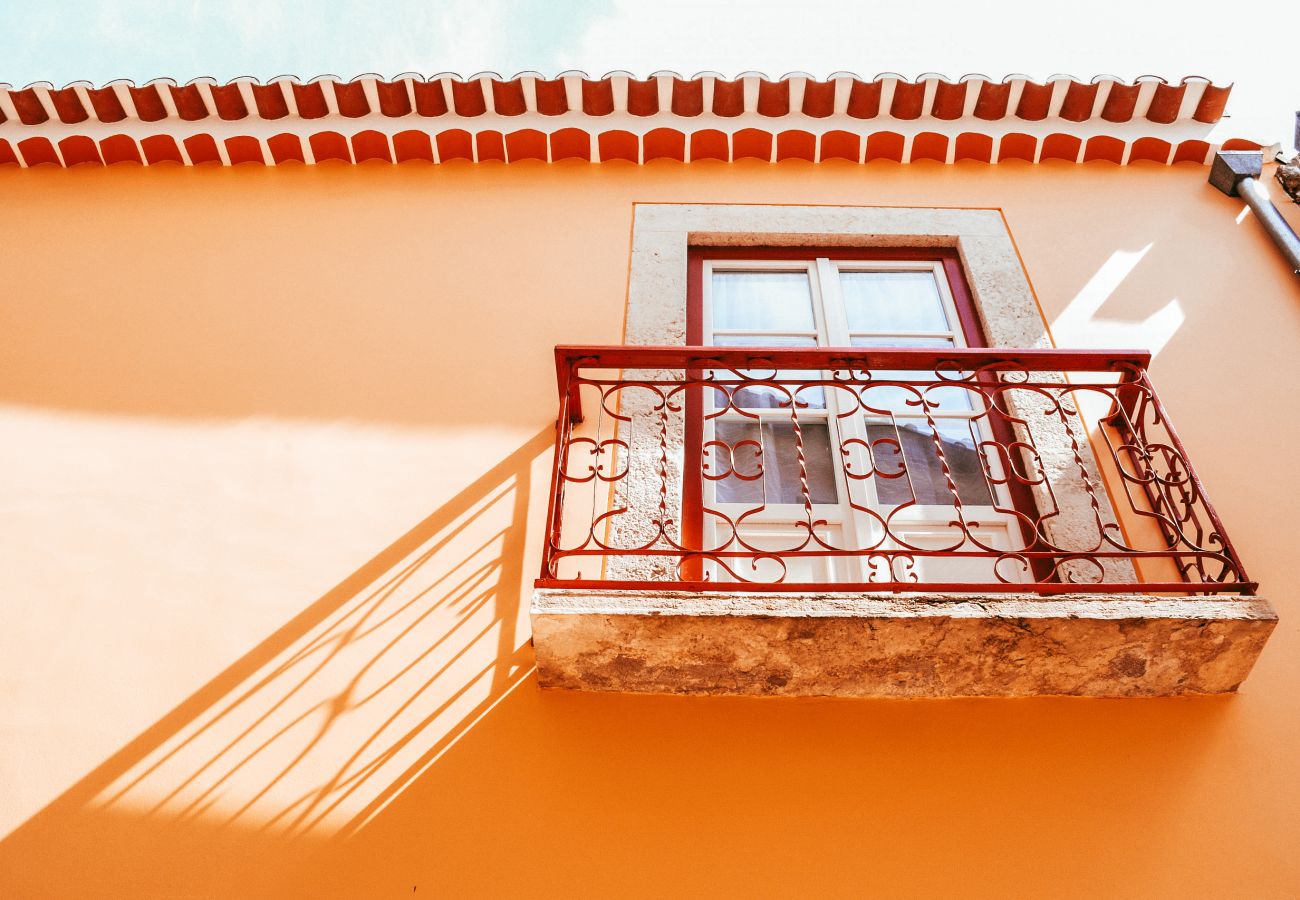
[(309, 734)]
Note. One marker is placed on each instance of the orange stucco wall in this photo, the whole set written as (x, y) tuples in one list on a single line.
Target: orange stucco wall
[(274, 461)]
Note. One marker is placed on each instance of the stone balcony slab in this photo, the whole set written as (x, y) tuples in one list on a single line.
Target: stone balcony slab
[(896, 645)]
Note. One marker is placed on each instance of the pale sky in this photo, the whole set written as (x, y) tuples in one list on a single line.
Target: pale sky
[(99, 40)]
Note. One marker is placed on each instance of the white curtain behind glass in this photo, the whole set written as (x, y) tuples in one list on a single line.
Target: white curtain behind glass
[(762, 301)]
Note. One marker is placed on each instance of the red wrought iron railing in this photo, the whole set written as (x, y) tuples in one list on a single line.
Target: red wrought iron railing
[(874, 469)]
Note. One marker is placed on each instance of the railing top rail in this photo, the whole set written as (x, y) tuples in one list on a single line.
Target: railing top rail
[(570, 358), (677, 357)]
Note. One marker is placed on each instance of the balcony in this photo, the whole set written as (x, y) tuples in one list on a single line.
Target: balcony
[(882, 522)]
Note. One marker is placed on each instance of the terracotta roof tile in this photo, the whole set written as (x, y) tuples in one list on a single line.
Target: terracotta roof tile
[(688, 97), (329, 118)]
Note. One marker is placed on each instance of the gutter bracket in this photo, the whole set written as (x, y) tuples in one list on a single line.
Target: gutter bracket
[(1232, 167), (1236, 173)]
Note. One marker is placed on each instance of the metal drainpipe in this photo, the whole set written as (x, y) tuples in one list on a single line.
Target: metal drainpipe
[(1236, 173)]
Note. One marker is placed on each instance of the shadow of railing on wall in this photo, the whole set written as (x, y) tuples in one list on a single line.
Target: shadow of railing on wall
[(315, 730)]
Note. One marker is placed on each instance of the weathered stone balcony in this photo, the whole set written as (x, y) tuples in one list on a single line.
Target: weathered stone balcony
[(882, 522)]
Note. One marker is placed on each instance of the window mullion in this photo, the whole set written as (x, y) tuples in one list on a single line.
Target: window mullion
[(857, 527), (835, 322)]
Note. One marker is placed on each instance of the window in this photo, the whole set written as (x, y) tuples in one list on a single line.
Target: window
[(902, 436), (991, 298)]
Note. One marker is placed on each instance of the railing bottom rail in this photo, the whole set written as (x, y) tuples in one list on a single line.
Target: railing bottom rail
[(899, 587)]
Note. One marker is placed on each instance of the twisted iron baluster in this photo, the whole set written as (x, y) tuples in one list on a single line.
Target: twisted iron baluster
[(1081, 464), (1079, 461), (943, 466), (663, 469), (802, 459)]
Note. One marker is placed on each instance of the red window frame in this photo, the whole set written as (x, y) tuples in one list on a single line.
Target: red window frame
[(947, 256)]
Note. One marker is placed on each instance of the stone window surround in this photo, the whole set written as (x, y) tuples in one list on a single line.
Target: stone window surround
[(662, 234)]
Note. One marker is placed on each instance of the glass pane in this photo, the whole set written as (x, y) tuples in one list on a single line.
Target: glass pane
[(771, 397), (763, 340), (893, 301), (762, 301), (920, 463), (778, 461), (886, 340), (916, 399), (896, 399)]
